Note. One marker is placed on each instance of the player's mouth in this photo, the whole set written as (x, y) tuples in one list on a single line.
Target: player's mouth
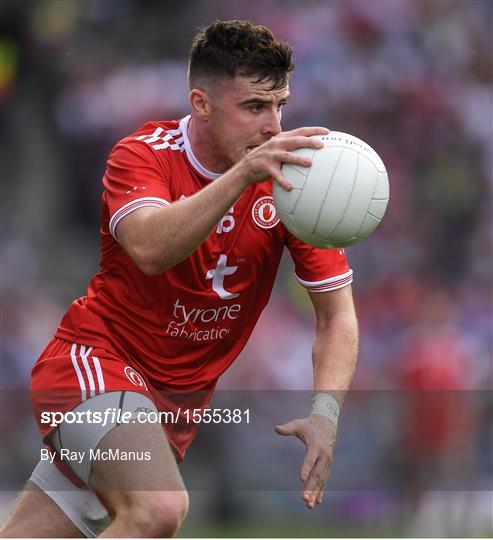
[(251, 147)]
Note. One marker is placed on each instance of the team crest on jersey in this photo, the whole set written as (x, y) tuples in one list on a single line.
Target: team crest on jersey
[(264, 213), (134, 377)]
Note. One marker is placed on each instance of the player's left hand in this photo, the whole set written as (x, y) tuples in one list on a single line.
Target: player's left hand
[(319, 435)]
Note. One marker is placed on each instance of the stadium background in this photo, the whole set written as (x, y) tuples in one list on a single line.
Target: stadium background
[(411, 78)]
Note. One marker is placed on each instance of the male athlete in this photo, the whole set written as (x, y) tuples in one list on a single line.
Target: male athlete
[(191, 244)]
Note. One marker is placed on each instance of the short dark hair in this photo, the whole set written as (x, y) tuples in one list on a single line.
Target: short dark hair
[(240, 48)]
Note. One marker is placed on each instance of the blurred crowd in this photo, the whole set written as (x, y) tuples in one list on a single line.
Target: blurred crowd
[(412, 78)]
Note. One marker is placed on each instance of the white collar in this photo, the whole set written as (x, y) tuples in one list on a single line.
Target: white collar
[(191, 157)]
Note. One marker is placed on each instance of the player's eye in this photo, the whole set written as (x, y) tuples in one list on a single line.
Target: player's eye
[(257, 107)]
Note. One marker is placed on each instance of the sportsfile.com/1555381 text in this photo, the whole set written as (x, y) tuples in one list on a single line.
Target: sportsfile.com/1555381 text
[(113, 415)]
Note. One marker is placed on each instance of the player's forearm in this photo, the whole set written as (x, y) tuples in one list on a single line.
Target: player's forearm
[(334, 354), (170, 235)]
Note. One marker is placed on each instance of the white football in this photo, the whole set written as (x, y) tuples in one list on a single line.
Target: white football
[(340, 199)]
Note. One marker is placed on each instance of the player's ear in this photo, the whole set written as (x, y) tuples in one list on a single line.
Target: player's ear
[(201, 103)]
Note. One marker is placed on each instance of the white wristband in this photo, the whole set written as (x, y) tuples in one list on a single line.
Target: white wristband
[(327, 406)]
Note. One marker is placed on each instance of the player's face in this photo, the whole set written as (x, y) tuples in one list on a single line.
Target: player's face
[(244, 115)]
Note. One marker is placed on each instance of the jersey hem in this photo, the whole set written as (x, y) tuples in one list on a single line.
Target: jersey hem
[(132, 206), (328, 284)]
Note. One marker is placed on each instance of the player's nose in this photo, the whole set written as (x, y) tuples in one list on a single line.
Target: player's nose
[(272, 125)]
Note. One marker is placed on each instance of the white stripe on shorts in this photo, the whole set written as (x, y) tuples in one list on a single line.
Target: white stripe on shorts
[(82, 384), (84, 354), (99, 373)]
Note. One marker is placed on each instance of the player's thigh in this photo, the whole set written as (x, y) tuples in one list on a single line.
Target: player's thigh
[(35, 515), (144, 468)]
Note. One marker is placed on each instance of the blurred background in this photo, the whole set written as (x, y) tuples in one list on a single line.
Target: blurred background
[(414, 80)]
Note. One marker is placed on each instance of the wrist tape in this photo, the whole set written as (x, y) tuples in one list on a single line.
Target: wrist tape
[(327, 406)]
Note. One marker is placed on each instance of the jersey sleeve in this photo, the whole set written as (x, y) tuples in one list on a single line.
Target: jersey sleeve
[(134, 178), (319, 270)]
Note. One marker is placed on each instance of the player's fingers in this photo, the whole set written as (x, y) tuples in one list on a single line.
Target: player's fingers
[(315, 482), (273, 171), (308, 463), (292, 158), (278, 177), (322, 489), (309, 496), (293, 143), (307, 131), (287, 186), (287, 429), (315, 478)]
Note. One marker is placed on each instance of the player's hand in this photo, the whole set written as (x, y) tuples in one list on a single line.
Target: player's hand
[(265, 161), (319, 435)]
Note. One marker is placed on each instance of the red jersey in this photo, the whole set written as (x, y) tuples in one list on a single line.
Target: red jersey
[(182, 329)]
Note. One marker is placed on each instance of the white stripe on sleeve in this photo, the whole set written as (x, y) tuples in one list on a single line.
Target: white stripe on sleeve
[(329, 284), (131, 207)]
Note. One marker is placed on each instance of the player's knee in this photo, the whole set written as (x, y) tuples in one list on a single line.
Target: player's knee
[(156, 514), (162, 514), (172, 507)]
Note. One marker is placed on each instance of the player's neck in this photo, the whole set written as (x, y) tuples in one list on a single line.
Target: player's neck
[(203, 148)]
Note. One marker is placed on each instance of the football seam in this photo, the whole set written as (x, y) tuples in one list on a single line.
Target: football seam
[(326, 194), (350, 195), (305, 176), (369, 204)]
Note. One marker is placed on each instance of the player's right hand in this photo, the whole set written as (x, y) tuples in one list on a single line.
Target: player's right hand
[(265, 161), (319, 435)]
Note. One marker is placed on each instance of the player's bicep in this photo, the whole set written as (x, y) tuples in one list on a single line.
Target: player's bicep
[(330, 303), (132, 232)]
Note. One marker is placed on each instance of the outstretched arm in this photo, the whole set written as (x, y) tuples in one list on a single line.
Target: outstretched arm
[(334, 357)]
